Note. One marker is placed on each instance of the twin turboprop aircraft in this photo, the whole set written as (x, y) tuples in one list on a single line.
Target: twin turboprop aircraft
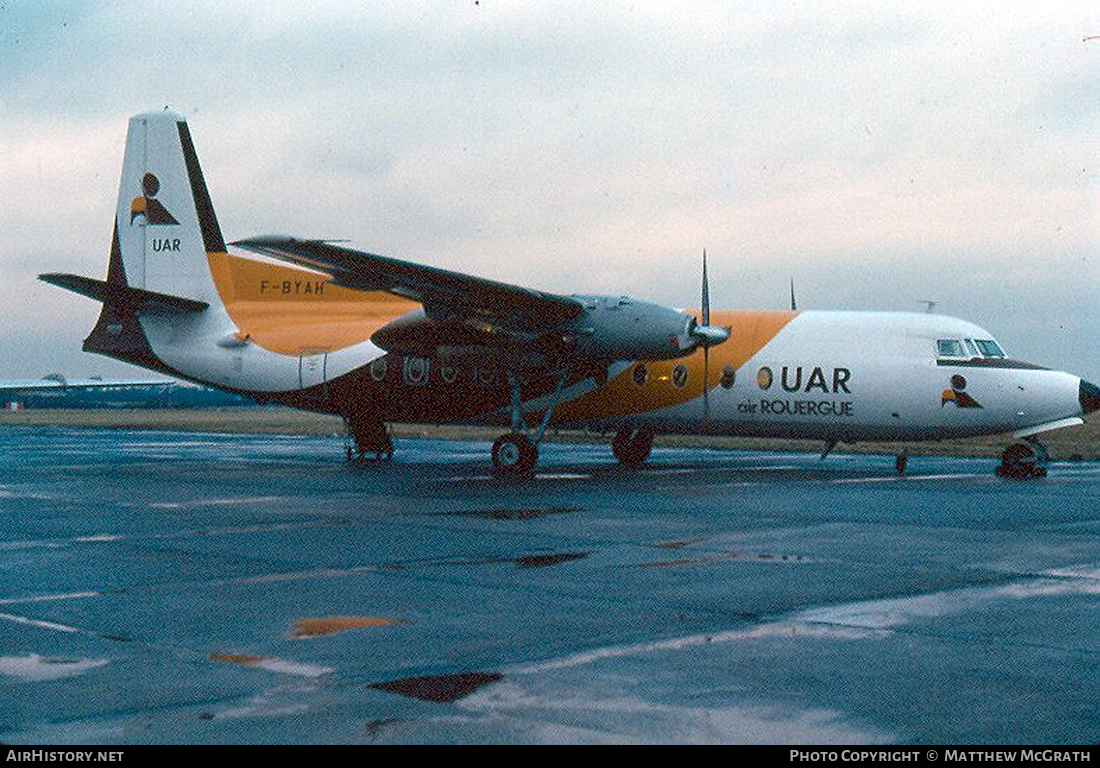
[(378, 340)]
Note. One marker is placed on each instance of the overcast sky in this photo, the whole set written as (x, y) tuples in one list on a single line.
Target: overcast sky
[(878, 153)]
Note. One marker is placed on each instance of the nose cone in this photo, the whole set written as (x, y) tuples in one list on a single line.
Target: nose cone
[(1089, 396)]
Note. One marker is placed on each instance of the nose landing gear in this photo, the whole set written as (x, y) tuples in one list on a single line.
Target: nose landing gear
[(1023, 461)]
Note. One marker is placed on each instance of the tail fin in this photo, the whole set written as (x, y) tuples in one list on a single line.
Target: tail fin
[(164, 227), (164, 220)]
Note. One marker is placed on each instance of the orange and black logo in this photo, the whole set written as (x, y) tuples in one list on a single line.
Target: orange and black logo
[(957, 394), (147, 205)]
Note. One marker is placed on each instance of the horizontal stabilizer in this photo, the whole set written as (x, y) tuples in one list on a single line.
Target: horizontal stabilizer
[(122, 296)]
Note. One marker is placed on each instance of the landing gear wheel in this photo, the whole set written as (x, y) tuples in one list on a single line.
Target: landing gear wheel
[(514, 455), (1020, 462), (367, 436), (899, 463), (632, 447)]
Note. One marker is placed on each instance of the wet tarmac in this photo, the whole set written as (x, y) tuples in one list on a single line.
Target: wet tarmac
[(164, 587)]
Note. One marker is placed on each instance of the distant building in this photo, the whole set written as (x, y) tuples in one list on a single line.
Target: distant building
[(54, 391)]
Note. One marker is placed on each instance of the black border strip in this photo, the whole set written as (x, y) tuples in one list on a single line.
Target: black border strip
[(992, 362), (208, 222)]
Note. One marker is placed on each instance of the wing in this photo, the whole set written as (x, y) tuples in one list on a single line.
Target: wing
[(443, 293), (479, 320)]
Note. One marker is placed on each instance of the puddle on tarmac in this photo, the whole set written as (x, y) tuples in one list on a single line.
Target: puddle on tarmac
[(542, 561), (523, 513), (440, 688), (726, 557), (679, 543)]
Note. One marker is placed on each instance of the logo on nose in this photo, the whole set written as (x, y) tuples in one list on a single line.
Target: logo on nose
[(958, 395)]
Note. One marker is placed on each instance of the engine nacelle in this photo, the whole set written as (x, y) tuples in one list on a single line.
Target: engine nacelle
[(621, 328), (609, 328)]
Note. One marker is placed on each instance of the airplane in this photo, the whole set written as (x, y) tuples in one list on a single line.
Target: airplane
[(316, 325)]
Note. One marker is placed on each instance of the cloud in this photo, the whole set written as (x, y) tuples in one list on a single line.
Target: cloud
[(594, 148)]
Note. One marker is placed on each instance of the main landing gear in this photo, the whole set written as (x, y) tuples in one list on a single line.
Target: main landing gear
[(901, 459), (363, 436), (516, 453), (632, 446)]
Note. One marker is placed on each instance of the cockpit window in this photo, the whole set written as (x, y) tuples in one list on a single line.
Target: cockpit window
[(949, 348), (989, 348), (968, 348)]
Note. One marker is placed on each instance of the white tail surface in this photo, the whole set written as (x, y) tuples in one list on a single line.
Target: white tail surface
[(165, 221), (175, 301)]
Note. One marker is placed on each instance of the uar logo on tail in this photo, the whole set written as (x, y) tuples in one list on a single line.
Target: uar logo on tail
[(147, 204)]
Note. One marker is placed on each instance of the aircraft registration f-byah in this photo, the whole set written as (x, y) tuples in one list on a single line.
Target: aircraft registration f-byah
[(377, 340)]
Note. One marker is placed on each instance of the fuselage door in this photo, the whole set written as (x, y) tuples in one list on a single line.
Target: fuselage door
[(312, 365)]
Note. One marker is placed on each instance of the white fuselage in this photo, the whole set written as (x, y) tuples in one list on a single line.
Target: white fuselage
[(871, 376)]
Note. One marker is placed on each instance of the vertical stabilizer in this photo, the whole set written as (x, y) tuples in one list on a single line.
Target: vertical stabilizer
[(159, 293), (164, 222)]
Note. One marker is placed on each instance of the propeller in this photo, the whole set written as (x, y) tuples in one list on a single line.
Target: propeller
[(707, 335), (706, 291), (706, 347)]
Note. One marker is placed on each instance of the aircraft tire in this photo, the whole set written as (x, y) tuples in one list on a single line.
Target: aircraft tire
[(1020, 462), (631, 447), (514, 455)]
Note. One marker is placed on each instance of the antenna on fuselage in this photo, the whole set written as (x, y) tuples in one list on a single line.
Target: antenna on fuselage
[(930, 306), (794, 306)]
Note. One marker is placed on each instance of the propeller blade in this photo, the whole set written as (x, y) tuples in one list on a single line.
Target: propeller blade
[(706, 382), (705, 334), (706, 346), (706, 291)]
